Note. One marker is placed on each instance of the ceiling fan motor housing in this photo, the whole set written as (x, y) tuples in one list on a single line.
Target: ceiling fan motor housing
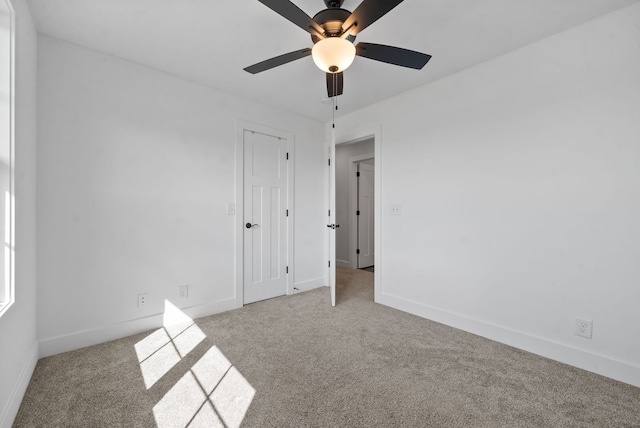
[(331, 21)]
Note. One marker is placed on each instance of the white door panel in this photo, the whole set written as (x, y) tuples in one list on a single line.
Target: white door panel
[(366, 217), (265, 232)]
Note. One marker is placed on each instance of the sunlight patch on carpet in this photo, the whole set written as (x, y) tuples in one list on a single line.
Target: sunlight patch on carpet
[(164, 348), (212, 393)]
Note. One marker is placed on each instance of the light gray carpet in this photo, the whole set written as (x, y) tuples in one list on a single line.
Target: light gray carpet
[(356, 365)]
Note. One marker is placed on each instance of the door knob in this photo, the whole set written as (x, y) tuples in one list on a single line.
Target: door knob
[(249, 225)]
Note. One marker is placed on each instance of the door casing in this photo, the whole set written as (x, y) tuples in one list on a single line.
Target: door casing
[(241, 127)]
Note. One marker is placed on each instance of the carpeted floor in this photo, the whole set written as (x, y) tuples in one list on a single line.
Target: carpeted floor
[(297, 362)]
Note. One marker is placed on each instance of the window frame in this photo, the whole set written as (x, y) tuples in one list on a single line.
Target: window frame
[(7, 284)]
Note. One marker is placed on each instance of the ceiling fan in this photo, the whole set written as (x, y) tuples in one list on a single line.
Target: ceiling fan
[(333, 31)]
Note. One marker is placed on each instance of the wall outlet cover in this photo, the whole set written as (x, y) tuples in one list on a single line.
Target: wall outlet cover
[(584, 328), (142, 299), (183, 291)]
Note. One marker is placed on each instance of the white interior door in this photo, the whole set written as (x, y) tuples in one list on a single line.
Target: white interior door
[(331, 223), (265, 216), (366, 181)]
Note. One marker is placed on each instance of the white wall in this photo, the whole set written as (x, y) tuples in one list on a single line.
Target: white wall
[(344, 153), (19, 346), (519, 183), (135, 170)]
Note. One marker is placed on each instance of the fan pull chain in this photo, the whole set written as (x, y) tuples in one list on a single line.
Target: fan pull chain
[(335, 89), (333, 111), (335, 98)]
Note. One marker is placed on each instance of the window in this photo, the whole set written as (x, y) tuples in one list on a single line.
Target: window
[(7, 199)]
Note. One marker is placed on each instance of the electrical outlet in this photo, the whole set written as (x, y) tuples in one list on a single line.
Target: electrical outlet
[(584, 328), (142, 300), (183, 291), (396, 209)]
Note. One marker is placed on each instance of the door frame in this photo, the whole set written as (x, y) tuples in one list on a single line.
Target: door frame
[(353, 202), (354, 136), (241, 126)]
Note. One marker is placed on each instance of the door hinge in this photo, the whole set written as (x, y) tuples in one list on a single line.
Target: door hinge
[(287, 269), (358, 174), (358, 251), (329, 162), (358, 212), (329, 213), (287, 155), (329, 263), (287, 213)]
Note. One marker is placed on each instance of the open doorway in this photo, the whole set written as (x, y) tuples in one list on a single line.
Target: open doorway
[(355, 238), (343, 138)]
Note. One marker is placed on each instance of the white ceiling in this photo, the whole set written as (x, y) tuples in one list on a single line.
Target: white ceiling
[(210, 41)]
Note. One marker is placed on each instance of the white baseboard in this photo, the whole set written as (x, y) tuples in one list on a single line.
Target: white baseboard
[(343, 264), (309, 285), (10, 411), (94, 336), (600, 364)]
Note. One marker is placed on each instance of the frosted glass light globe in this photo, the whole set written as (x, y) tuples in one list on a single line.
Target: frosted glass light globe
[(333, 54)]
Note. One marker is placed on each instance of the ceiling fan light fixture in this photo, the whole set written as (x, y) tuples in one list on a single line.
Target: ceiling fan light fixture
[(333, 54)]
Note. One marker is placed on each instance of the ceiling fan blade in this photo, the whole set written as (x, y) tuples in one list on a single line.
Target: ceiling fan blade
[(368, 12), (393, 55), (293, 13), (278, 60), (335, 84)]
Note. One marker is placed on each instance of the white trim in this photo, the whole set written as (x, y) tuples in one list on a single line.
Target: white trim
[(241, 126), (12, 406), (291, 218), (377, 233), (619, 370), (310, 284), (353, 196), (94, 336), (331, 266), (8, 293)]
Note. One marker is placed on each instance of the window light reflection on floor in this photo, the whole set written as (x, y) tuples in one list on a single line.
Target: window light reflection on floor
[(163, 349), (212, 392)]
